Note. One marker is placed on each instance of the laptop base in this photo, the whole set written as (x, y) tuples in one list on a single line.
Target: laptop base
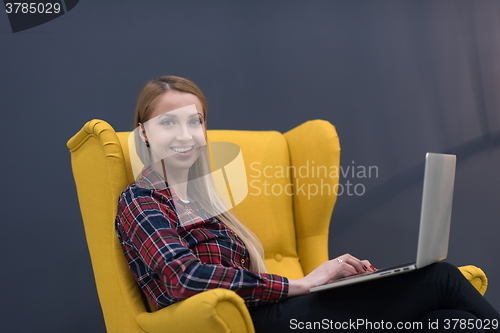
[(367, 276)]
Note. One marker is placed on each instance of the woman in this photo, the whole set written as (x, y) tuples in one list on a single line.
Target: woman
[(179, 240)]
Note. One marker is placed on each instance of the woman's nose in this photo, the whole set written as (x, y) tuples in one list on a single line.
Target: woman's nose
[(183, 133)]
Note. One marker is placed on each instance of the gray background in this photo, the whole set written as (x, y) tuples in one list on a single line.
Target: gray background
[(397, 79)]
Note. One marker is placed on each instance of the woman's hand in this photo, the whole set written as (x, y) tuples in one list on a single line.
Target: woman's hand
[(345, 265)]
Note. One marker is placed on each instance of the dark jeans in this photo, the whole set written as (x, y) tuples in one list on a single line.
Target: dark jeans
[(436, 296)]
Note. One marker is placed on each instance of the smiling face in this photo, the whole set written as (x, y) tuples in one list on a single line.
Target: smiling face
[(176, 130)]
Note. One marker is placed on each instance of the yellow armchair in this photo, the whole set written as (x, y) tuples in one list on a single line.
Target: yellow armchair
[(292, 228)]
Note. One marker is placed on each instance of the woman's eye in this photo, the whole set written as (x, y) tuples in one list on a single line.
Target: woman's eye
[(195, 121), (167, 122)]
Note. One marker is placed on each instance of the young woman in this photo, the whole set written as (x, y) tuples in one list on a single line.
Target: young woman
[(180, 240)]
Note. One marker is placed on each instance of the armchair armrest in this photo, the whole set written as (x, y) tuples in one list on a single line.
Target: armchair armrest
[(217, 311), (476, 277)]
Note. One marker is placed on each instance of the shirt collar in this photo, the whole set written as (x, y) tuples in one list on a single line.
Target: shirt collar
[(152, 179)]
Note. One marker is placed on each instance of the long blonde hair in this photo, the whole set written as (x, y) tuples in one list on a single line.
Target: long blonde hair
[(199, 188)]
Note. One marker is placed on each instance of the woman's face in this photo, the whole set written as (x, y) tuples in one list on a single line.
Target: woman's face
[(176, 130)]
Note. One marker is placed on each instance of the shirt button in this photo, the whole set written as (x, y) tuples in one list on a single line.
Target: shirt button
[(242, 261)]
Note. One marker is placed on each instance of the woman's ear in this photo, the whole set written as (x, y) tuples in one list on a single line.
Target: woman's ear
[(142, 133)]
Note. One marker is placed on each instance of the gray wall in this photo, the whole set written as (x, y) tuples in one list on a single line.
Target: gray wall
[(397, 78)]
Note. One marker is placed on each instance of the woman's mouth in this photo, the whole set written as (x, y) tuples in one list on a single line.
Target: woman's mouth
[(182, 150)]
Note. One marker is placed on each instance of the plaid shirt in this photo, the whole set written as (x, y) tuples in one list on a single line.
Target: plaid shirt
[(172, 262)]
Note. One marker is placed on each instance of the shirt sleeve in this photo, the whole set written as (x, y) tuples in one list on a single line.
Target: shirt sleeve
[(149, 224)]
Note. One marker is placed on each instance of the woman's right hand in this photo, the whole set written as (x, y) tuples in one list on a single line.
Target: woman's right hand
[(342, 266)]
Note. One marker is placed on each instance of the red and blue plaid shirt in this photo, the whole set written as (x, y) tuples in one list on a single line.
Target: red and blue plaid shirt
[(172, 261)]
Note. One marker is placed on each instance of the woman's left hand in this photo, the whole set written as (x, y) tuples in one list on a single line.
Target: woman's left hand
[(342, 266)]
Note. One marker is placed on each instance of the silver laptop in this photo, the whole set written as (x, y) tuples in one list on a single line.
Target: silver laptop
[(435, 218)]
